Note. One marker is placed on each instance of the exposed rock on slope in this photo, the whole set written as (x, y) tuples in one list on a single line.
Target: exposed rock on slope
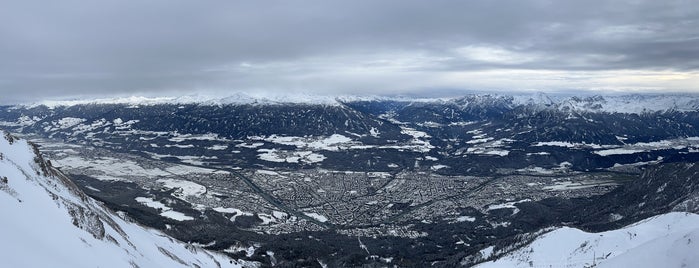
[(48, 222)]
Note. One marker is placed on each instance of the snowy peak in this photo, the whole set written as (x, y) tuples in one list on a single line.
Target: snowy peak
[(48, 222), (634, 103), (631, 104), (235, 99)]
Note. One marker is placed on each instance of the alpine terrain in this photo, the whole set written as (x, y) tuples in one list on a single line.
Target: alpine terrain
[(486, 180), (49, 222)]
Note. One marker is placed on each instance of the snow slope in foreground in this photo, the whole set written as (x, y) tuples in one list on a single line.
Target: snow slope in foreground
[(48, 222), (668, 240)]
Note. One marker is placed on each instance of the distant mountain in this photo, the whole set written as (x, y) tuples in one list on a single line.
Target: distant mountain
[(456, 136), (48, 221), (633, 103), (629, 103)]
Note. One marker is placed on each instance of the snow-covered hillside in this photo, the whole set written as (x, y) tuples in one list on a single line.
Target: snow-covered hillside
[(668, 240), (48, 222)]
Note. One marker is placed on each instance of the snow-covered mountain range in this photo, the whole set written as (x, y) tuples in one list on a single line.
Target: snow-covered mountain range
[(633, 103), (48, 221)]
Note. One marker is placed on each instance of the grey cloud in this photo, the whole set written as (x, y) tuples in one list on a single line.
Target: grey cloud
[(65, 48)]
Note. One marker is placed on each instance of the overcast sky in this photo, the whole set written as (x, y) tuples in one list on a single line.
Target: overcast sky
[(68, 49)]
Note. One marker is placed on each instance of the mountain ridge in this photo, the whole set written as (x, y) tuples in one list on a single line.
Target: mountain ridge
[(612, 103), (80, 232)]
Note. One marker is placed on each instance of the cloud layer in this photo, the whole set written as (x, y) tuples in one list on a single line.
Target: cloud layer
[(99, 48)]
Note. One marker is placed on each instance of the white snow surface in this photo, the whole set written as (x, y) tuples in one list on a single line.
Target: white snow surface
[(236, 212), (668, 240), (316, 216), (48, 222), (274, 155), (166, 211), (465, 218), (335, 142), (110, 167), (510, 205), (617, 151), (689, 143), (235, 99), (627, 103), (183, 188), (331, 143), (612, 103)]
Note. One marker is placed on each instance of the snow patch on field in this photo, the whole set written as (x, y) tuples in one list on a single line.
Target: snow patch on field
[(538, 170), (268, 172), (334, 142), (557, 143), (266, 218), (178, 216), (189, 159), (149, 202), (567, 144), (279, 156), (196, 160), (109, 178), (184, 188), (510, 205), (250, 145), (481, 140), (236, 212), (82, 128), (487, 146), (181, 146), (617, 152), (420, 141), (249, 251), (177, 137), (497, 152), (689, 143), (185, 170), (108, 166), (68, 122), (316, 216), (217, 147), (571, 185), (166, 211), (487, 151), (465, 219), (280, 215), (438, 167)]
